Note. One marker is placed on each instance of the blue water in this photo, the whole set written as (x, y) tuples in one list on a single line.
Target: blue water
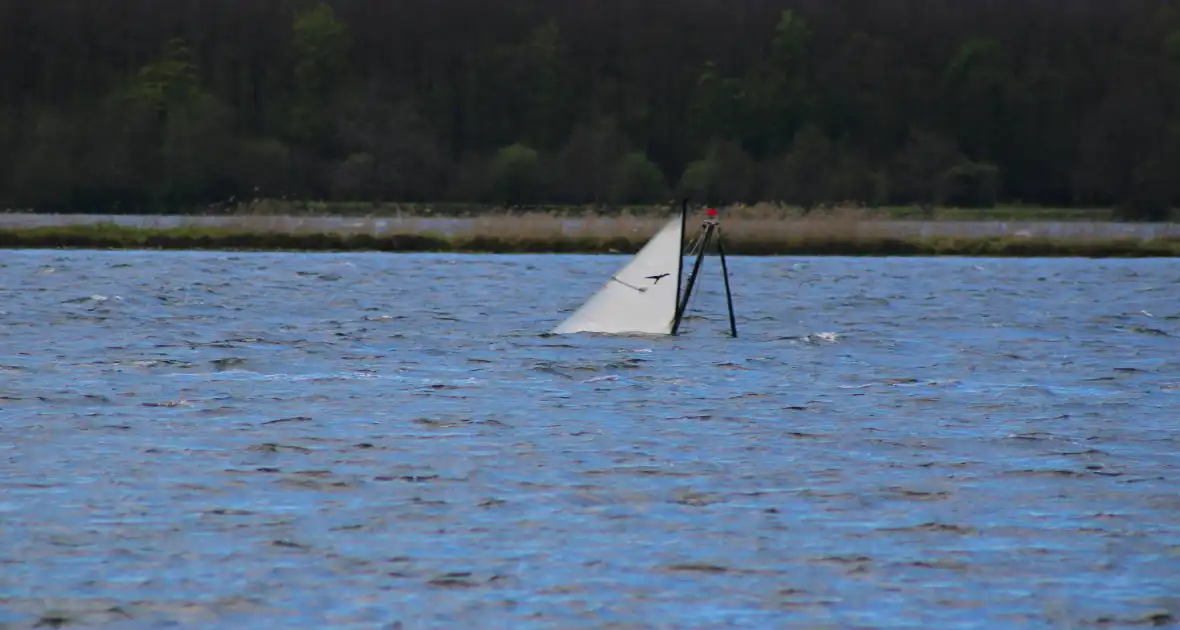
[(230, 440)]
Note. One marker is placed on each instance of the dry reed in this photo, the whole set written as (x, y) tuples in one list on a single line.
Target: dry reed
[(756, 229)]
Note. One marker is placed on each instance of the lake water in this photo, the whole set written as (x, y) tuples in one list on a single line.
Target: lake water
[(391, 441)]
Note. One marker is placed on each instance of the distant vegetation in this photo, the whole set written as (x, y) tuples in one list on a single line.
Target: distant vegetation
[(92, 237), (143, 105), (757, 231)]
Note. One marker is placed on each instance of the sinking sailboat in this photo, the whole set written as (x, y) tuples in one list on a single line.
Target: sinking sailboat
[(645, 296)]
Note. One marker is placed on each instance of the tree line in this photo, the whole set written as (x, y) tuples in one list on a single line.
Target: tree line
[(141, 105)]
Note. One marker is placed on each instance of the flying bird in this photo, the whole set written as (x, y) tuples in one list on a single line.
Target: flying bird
[(656, 279)]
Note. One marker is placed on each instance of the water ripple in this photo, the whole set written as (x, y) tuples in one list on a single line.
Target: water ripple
[(385, 441)]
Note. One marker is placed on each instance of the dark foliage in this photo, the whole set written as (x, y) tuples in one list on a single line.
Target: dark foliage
[(146, 105)]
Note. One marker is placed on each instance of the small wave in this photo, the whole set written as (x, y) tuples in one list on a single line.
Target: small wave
[(250, 375), (813, 338), (92, 298)]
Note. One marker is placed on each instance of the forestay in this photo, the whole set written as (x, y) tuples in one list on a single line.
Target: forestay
[(640, 297)]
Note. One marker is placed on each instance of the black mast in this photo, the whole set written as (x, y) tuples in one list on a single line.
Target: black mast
[(712, 232), (680, 257)]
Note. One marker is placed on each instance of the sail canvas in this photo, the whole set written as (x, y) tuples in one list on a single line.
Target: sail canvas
[(640, 297)]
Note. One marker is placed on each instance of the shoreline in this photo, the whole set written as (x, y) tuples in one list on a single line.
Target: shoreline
[(748, 240)]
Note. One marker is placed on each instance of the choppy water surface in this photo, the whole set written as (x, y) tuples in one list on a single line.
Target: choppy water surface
[(368, 440)]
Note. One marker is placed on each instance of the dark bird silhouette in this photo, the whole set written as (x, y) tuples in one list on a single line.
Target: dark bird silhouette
[(656, 279)]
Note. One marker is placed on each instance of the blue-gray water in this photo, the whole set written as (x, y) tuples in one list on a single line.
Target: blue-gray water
[(367, 440)]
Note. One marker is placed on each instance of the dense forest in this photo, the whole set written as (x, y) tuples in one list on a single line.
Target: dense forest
[(122, 105)]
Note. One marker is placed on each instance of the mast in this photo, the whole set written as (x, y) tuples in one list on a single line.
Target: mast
[(680, 260), (725, 276), (712, 232)]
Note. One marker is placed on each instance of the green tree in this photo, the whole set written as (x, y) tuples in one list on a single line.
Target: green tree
[(197, 99), (169, 82), (806, 173), (391, 151), (194, 144), (976, 81), (1153, 190), (320, 45), (516, 175), (586, 165), (545, 90), (866, 95), (356, 179), (971, 185), (187, 145), (714, 109), (638, 180), (919, 169), (726, 174), (776, 97)]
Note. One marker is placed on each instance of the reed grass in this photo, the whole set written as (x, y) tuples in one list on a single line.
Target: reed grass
[(759, 220), (755, 230)]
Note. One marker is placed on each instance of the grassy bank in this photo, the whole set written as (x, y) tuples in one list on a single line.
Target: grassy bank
[(748, 238)]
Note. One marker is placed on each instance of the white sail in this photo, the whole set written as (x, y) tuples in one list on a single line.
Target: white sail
[(640, 297)]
